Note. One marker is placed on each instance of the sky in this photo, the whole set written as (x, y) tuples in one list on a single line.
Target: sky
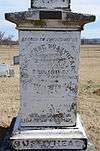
[(91, 30)]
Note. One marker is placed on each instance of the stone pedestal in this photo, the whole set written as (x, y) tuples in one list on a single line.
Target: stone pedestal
[(70, 138), (49, 37)]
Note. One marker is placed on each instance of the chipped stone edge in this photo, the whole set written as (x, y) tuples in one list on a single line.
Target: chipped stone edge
[(34, 20), (6, 145), (77, 132)]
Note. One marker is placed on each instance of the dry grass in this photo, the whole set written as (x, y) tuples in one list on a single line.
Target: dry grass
[(88, 97), (9, 87)]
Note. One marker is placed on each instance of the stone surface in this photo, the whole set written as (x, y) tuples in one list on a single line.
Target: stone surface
[(6, 145), (69, 138), (49, 63), (32, 19), (90, 147), (16, 60), (50, 4)]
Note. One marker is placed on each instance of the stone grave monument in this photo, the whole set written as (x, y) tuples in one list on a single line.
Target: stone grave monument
[(49, 37)]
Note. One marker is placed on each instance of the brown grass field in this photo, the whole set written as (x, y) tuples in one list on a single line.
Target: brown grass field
[(88, 96)]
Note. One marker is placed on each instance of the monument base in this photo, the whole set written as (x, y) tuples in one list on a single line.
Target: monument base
[(71, 138)]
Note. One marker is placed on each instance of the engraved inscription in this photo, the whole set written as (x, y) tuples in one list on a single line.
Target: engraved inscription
[(49, 144), (53, 114), (49, 77)]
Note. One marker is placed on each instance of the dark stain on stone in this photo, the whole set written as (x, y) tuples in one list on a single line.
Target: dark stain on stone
[(40, 23), (50, 15), (57, 81)]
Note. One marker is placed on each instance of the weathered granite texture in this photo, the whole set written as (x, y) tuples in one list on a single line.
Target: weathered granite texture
[(50, 138), (6, 145), (49, 77), (49, 62), (61, 4), (55, 18)]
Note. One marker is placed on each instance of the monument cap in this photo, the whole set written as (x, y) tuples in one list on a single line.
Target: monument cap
[(50, 4)]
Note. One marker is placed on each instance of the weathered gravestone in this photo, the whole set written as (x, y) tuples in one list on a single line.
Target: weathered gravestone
[(49, 36), (6, 71), (16, 60)]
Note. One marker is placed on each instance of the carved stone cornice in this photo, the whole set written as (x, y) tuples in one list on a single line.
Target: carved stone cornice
[(49, 19)]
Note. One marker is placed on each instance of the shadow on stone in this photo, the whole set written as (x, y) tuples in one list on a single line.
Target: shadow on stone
[(5, 134), (3, 131)]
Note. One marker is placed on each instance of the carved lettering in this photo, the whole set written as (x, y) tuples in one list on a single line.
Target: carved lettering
[(48, 144), (49, 75)]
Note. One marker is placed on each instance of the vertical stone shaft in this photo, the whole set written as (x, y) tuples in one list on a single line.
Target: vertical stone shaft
[(49, 37)]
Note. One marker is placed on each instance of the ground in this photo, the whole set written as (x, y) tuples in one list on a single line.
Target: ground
[(88, 95)]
